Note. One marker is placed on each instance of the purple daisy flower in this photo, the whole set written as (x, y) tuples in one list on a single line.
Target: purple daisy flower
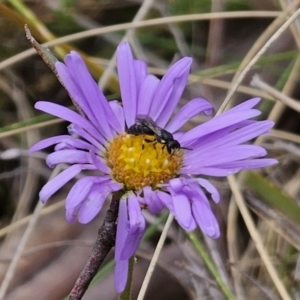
[(150, 176)]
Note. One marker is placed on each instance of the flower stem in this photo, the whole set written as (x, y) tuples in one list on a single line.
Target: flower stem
[(126, 294), (210, 265), (105, 241)]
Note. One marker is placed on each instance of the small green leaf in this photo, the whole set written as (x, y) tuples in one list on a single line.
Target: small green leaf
[(273, 195)]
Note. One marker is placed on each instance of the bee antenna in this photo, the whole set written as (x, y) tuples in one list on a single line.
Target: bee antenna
[(185, 148)]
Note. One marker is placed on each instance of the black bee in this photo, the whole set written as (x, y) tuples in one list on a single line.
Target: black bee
[(145, 125)]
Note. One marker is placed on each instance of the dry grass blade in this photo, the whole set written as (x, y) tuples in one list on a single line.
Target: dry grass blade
[(155, 258), (257, 239), (140, 24), (286, 136), (257, 82), (29, 127), (287, 90), (273, 38), (140, 15)]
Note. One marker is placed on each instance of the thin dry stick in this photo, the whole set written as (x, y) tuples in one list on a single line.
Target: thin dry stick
[(226, 85), (140, 15), (256, 238), (155, 258), (215, 36), (263, 39), (31, 137), (140, 24), (257, 82), (103, 244), (233, 245), (164, 8), (294, 27), (285, 135), (273, 38), (29, 127), (12, 267), (16, 94), (276, 111)]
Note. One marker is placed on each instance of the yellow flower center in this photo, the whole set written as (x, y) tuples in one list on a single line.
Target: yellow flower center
[(137, 163)]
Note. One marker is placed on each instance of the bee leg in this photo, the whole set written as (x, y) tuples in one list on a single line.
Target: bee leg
[(149, 141)]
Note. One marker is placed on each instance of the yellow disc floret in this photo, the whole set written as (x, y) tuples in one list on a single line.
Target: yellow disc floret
[(137, 163)]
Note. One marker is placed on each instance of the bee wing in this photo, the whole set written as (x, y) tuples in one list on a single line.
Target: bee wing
[(148, 122), (142, 118)]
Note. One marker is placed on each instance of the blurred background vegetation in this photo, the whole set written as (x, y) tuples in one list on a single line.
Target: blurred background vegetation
[(222, 37)]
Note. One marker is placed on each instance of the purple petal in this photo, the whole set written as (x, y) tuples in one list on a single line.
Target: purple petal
[(182, 210), (156, 205), (152, 200), (69, 115), (210, 171), (248, 104), (188, 111), (234, 138), (91, 206), (250, 164), (190, 190), (135, 228), (174, 80), (71, 214), (166, 199), (121, 228), (79, 191), (146, 94), (75, 143), (119, 113), (68, 157), (47, 142), (74, 129), (121, 273), (127, 79), (100, 163), (140, 68), (91, 94), (219, 122), (205, 218), (115, 186), (223, 155), (72, 87), (177, 135), (63, 146), (73, 76), (176, 184), (121, 267), (210, 188), (215, 136), (59, 181)]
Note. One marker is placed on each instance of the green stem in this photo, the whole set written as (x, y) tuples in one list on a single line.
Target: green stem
[(210, 265), (25, 12), (126, 294)]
